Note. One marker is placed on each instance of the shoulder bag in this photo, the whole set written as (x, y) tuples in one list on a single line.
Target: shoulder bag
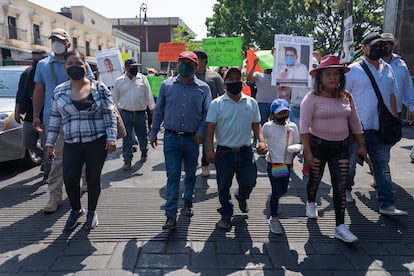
[(389, 125)]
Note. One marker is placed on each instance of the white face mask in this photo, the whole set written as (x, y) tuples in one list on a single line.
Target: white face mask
[(58, 47)]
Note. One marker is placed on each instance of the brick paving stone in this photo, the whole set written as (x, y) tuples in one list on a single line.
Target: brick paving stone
[(169, 261), (124, 255)]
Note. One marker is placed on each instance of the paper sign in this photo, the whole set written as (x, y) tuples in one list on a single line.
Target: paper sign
[(250, 60), (155, 84), (292, 60), (223, 51), (110, 66), (265, 58), (169, 51)]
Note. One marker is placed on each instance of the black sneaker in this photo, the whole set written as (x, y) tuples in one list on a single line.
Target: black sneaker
[(225, 224), (242, 204), (170, 224), (72, 221), (188, 208), (144, 157)]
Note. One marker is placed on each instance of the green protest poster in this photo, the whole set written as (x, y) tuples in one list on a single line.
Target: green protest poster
[(155, 84), (223, 51), (265, 58)]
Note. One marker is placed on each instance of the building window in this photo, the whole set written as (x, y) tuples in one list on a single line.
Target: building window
[(36, 35), (88, 50), (99, 47), (12, 27), (75, 43)]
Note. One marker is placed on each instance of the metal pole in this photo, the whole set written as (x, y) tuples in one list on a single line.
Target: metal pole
[(142, 9)]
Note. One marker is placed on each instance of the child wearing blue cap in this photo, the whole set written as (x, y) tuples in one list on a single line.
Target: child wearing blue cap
[(282, 141)]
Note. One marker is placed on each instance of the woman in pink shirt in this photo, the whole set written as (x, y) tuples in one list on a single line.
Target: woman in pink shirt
[(327, 116)]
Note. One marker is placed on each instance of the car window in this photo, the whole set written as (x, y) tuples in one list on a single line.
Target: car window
[(9, 81)]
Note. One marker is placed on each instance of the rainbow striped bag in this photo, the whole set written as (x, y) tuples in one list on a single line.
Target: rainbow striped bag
[(280, 170)]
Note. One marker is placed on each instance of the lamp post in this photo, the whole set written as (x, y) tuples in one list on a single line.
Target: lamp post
[(142, 9)]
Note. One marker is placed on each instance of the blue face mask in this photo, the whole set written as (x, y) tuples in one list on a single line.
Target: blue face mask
[(186, 70), (289, 60)]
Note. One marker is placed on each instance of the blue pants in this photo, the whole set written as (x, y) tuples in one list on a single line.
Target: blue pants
[(178, 150), (380, 157), (93, 154), (279, 188), (243, 165), (136, 121), (264, 109)]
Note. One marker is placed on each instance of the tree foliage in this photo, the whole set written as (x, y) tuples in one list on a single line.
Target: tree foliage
[(181, 35), (257, 21)]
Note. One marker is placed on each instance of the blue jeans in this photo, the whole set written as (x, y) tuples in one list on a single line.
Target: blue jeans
[(279, 188), (353, 157), (229, 163), (177, 150), (380, 157), (134, 121), (264, 109)]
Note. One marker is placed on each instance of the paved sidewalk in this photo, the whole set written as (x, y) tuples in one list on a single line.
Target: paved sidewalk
[(129, 239)]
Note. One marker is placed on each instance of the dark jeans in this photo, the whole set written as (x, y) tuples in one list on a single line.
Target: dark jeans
[(279, 188), (134, 121), (93, 155), (242, 164), (336, 155)]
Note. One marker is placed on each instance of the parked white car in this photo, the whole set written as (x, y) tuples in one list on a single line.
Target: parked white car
[(11, 134)]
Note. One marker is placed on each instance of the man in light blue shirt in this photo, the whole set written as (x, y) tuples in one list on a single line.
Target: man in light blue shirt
[(404, 81), (231, 118), (50, 72), (181, 106), (359, 84)]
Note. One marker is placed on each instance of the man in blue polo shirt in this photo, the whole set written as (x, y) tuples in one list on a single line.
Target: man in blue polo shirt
[(231, 117)]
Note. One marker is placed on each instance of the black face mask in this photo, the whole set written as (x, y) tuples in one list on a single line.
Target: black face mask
[(76, 72), (133, 71), (280, 121), (234, 87), (377, 51)]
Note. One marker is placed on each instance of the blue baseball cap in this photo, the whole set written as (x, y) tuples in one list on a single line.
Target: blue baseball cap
[(279, 105)]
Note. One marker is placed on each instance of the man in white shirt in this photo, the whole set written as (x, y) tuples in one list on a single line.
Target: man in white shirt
[(132, 95)]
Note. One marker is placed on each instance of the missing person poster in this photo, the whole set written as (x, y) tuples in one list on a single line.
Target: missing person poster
[(110, 66), (292, 60)]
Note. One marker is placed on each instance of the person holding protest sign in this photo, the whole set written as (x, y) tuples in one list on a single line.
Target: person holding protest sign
[(182, 106), (266, 93), (215, 82)]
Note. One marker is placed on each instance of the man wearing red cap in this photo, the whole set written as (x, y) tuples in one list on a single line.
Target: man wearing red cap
[(182, 106)]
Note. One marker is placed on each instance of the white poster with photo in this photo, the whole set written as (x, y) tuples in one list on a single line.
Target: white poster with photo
[(110, 66), (348, 47), (292, 60)]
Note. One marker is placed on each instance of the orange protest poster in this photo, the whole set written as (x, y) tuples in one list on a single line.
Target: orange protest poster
[(169, 51), (250, 58), (246, 90)]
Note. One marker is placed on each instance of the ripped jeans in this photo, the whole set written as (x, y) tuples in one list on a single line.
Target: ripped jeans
[(335, 153)]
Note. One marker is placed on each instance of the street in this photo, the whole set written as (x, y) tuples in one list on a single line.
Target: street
[(129, 238)]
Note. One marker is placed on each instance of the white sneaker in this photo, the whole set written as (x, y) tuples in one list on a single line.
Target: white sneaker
[(392, 211), (275, 226), (348, 196), (311, 210), (205, 170), (342, 233)]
